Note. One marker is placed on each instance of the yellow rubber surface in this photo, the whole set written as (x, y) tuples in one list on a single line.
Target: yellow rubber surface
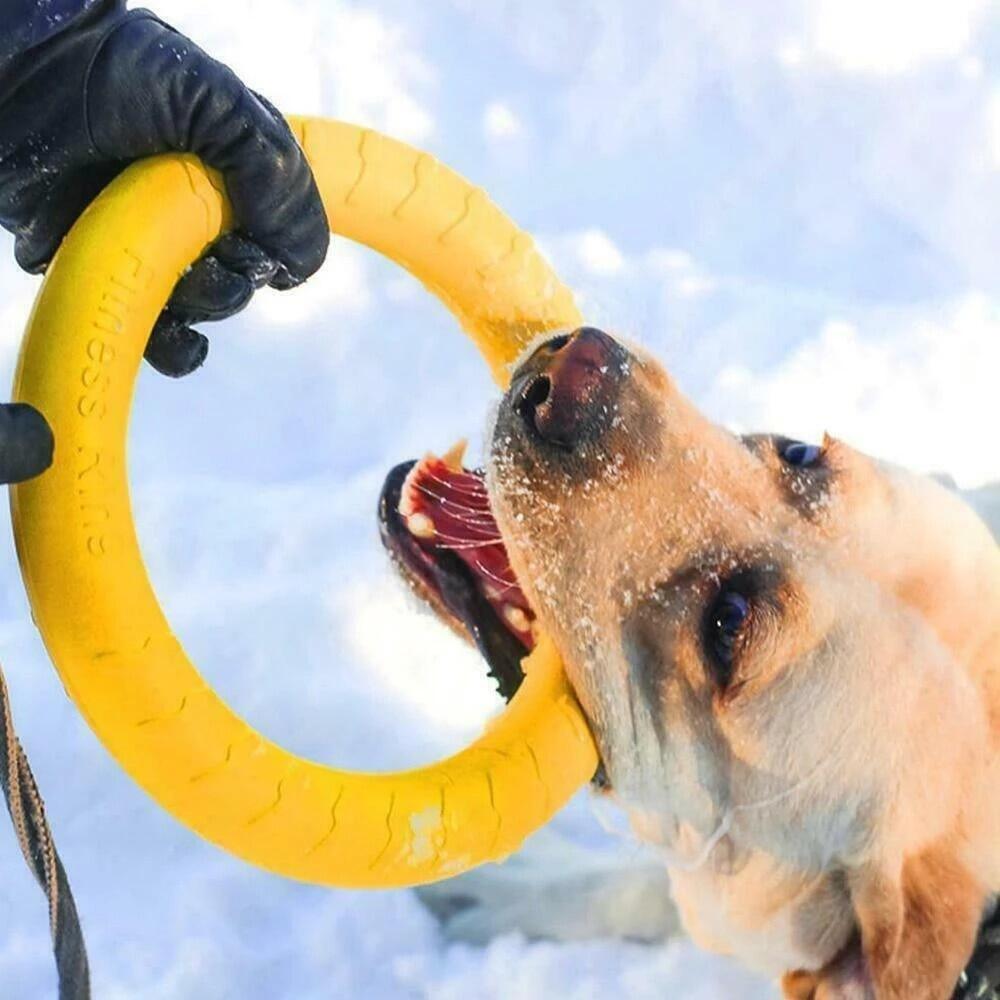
[(92, 599)]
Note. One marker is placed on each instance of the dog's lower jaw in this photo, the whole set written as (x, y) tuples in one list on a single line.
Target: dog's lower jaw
[(769, 917)]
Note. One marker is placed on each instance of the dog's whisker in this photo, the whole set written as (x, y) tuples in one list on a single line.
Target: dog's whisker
[(472, 522), (445, 501), (459, 546), (506, 584), (465, 538), (473, 525), (478, 490)]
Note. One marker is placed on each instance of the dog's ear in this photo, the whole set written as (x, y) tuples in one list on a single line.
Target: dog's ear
[(918, 923)]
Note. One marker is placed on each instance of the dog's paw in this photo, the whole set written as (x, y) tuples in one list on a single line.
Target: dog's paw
[(555, 889)]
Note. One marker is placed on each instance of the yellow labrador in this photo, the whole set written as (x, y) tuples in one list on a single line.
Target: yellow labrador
[(789, 655)]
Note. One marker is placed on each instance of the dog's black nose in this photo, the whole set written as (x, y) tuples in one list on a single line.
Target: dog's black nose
[(565, 392)]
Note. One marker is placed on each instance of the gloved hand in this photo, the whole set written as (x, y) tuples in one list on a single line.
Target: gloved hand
[(118, 85)]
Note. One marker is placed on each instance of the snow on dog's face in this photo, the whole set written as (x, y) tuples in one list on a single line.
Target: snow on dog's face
[(784, 652)]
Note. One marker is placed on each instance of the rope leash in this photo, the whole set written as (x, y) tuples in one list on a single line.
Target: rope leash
[(27, 813)]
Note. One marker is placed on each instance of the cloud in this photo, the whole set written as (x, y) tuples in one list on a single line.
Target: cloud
[(375, 72), (843, 146), (924, 395), (891, 36), (583, 255), (598, 253), (681, 275), (598, 268), (341, 289), (320, 57), (500, 122)]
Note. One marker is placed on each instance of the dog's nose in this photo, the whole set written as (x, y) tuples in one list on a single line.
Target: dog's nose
[(565, 392)]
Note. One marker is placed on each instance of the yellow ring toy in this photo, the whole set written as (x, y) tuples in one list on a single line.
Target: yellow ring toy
[(88, 587)]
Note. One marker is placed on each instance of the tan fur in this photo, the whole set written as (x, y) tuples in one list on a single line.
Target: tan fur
[(845, 783), (919, 926)]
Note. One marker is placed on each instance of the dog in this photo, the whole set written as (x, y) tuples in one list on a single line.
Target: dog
[(789, 656)]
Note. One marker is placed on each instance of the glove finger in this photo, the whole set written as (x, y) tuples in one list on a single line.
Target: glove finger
[(26, 443), (270, 184), (240, 254), (174, 349), (210, 113), (274, 194), (36, 242), (209, 291), (289, 274), (284, 279), (268, 106)]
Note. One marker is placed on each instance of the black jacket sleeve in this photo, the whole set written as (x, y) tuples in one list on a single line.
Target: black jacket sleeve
[(27, 23)]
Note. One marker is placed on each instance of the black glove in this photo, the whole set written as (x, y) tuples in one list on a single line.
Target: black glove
[(118, 85)]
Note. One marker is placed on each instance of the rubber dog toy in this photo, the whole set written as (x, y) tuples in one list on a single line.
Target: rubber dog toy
[(88, 587)]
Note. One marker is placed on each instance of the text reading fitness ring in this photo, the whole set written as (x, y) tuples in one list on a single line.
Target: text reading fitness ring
[(88, 587)]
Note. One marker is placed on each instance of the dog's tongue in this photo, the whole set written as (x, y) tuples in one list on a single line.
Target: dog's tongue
[(446, 508)]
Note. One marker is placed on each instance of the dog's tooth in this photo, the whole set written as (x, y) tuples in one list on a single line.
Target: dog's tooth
[(420, 525), (454, 455), (516, 618)]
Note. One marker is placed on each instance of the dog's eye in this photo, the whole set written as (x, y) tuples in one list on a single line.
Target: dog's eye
[(800, 454), (727, 618)]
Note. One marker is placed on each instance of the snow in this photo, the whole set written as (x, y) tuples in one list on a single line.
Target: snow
[(803, 245)]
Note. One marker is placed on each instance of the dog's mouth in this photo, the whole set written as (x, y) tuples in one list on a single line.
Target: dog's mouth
[(436, 521)]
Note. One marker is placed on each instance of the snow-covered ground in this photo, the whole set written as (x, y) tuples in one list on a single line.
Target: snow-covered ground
[(797, 206)]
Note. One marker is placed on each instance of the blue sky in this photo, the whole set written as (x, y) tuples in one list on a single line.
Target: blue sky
[(795, 205)]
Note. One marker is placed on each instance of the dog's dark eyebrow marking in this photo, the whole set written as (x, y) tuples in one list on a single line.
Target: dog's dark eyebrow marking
[(647, 649), (649, 652), (757, 444), (805, 489), (645, 669)]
